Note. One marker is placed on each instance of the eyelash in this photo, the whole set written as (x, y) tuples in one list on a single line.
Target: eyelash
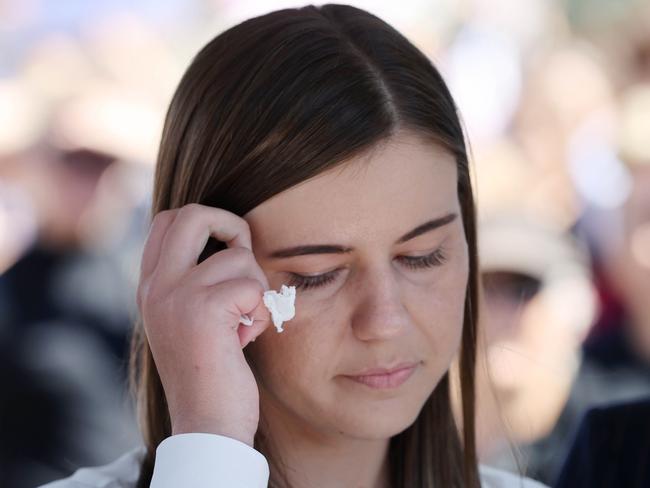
[(301, 282)]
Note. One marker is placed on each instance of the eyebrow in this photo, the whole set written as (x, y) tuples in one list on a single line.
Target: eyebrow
[(336, 249)]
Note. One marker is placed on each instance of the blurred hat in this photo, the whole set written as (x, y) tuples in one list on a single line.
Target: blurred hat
[(98, 117), (105, 119), (518, 243)]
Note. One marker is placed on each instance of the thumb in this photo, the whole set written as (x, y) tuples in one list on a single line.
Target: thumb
[(261, 318)]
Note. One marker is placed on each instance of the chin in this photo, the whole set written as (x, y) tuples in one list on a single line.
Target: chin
[(378, 422)]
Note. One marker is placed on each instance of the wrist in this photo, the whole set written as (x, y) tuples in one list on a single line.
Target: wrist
[(207, 427)]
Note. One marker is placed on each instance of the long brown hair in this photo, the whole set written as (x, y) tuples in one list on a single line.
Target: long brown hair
[(278, 99)]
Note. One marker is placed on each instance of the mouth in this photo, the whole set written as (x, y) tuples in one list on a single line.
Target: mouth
[(385, 378)]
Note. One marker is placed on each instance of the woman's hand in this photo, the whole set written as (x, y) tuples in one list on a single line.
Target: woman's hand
[(191, 318)]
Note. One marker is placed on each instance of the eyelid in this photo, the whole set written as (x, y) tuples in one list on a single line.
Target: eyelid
[(432, 259), (420, 255), (316, 275), (421, 262), (313, 281)]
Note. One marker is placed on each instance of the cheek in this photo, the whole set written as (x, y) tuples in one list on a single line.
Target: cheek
[(438, 312), (438, 305), (300, 356)]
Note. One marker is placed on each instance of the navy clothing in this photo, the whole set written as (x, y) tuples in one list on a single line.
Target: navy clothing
[(610, 373), (611, 449), (611, 350), (64, 325)]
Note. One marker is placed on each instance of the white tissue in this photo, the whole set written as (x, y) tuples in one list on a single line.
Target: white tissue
[(281, 305), (246, 320)]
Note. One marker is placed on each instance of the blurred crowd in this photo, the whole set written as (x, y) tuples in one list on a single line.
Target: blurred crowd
[(555, 97)]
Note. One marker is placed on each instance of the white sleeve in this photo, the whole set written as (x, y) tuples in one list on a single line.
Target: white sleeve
[(198, 460), (496, 478)]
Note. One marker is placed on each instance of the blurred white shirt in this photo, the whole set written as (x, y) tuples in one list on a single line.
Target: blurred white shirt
[(207, 460)]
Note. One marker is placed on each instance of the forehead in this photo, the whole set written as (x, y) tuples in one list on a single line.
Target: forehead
[(390, 189)]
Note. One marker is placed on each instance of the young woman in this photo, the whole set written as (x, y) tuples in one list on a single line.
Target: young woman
[(318, 148)]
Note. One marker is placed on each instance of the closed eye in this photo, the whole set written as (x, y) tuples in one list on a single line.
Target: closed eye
[(436, 258), (302, 282)]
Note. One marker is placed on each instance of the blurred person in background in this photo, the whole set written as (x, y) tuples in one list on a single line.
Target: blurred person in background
[(620, 347), (611, 447), (537, 307), (542, 419), (67, 293)]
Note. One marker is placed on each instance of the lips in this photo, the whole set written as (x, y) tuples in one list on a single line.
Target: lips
[(385, 377)]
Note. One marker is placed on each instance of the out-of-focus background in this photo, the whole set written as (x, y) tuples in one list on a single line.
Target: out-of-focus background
[(555, 96)]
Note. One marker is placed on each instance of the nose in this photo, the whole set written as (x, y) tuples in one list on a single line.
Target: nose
[(380, 313)]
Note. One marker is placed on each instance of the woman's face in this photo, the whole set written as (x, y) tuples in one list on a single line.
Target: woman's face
[(373, 299)]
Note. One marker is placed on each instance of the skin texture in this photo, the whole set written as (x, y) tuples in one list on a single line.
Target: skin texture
[(376, 312)]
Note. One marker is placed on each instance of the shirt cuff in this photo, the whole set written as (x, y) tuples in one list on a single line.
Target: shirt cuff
[(198, 460)]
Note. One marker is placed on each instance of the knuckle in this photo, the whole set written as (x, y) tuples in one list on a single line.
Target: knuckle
[(245, 228), (252, 284), (239, 255), (189, 210), (240, 285), (161, 216), (192, 207), (232, 259)]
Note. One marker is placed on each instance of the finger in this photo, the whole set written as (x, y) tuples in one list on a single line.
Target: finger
[(242, 296), (189, 233), (151, 252), (261, 321), (226, 265)]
